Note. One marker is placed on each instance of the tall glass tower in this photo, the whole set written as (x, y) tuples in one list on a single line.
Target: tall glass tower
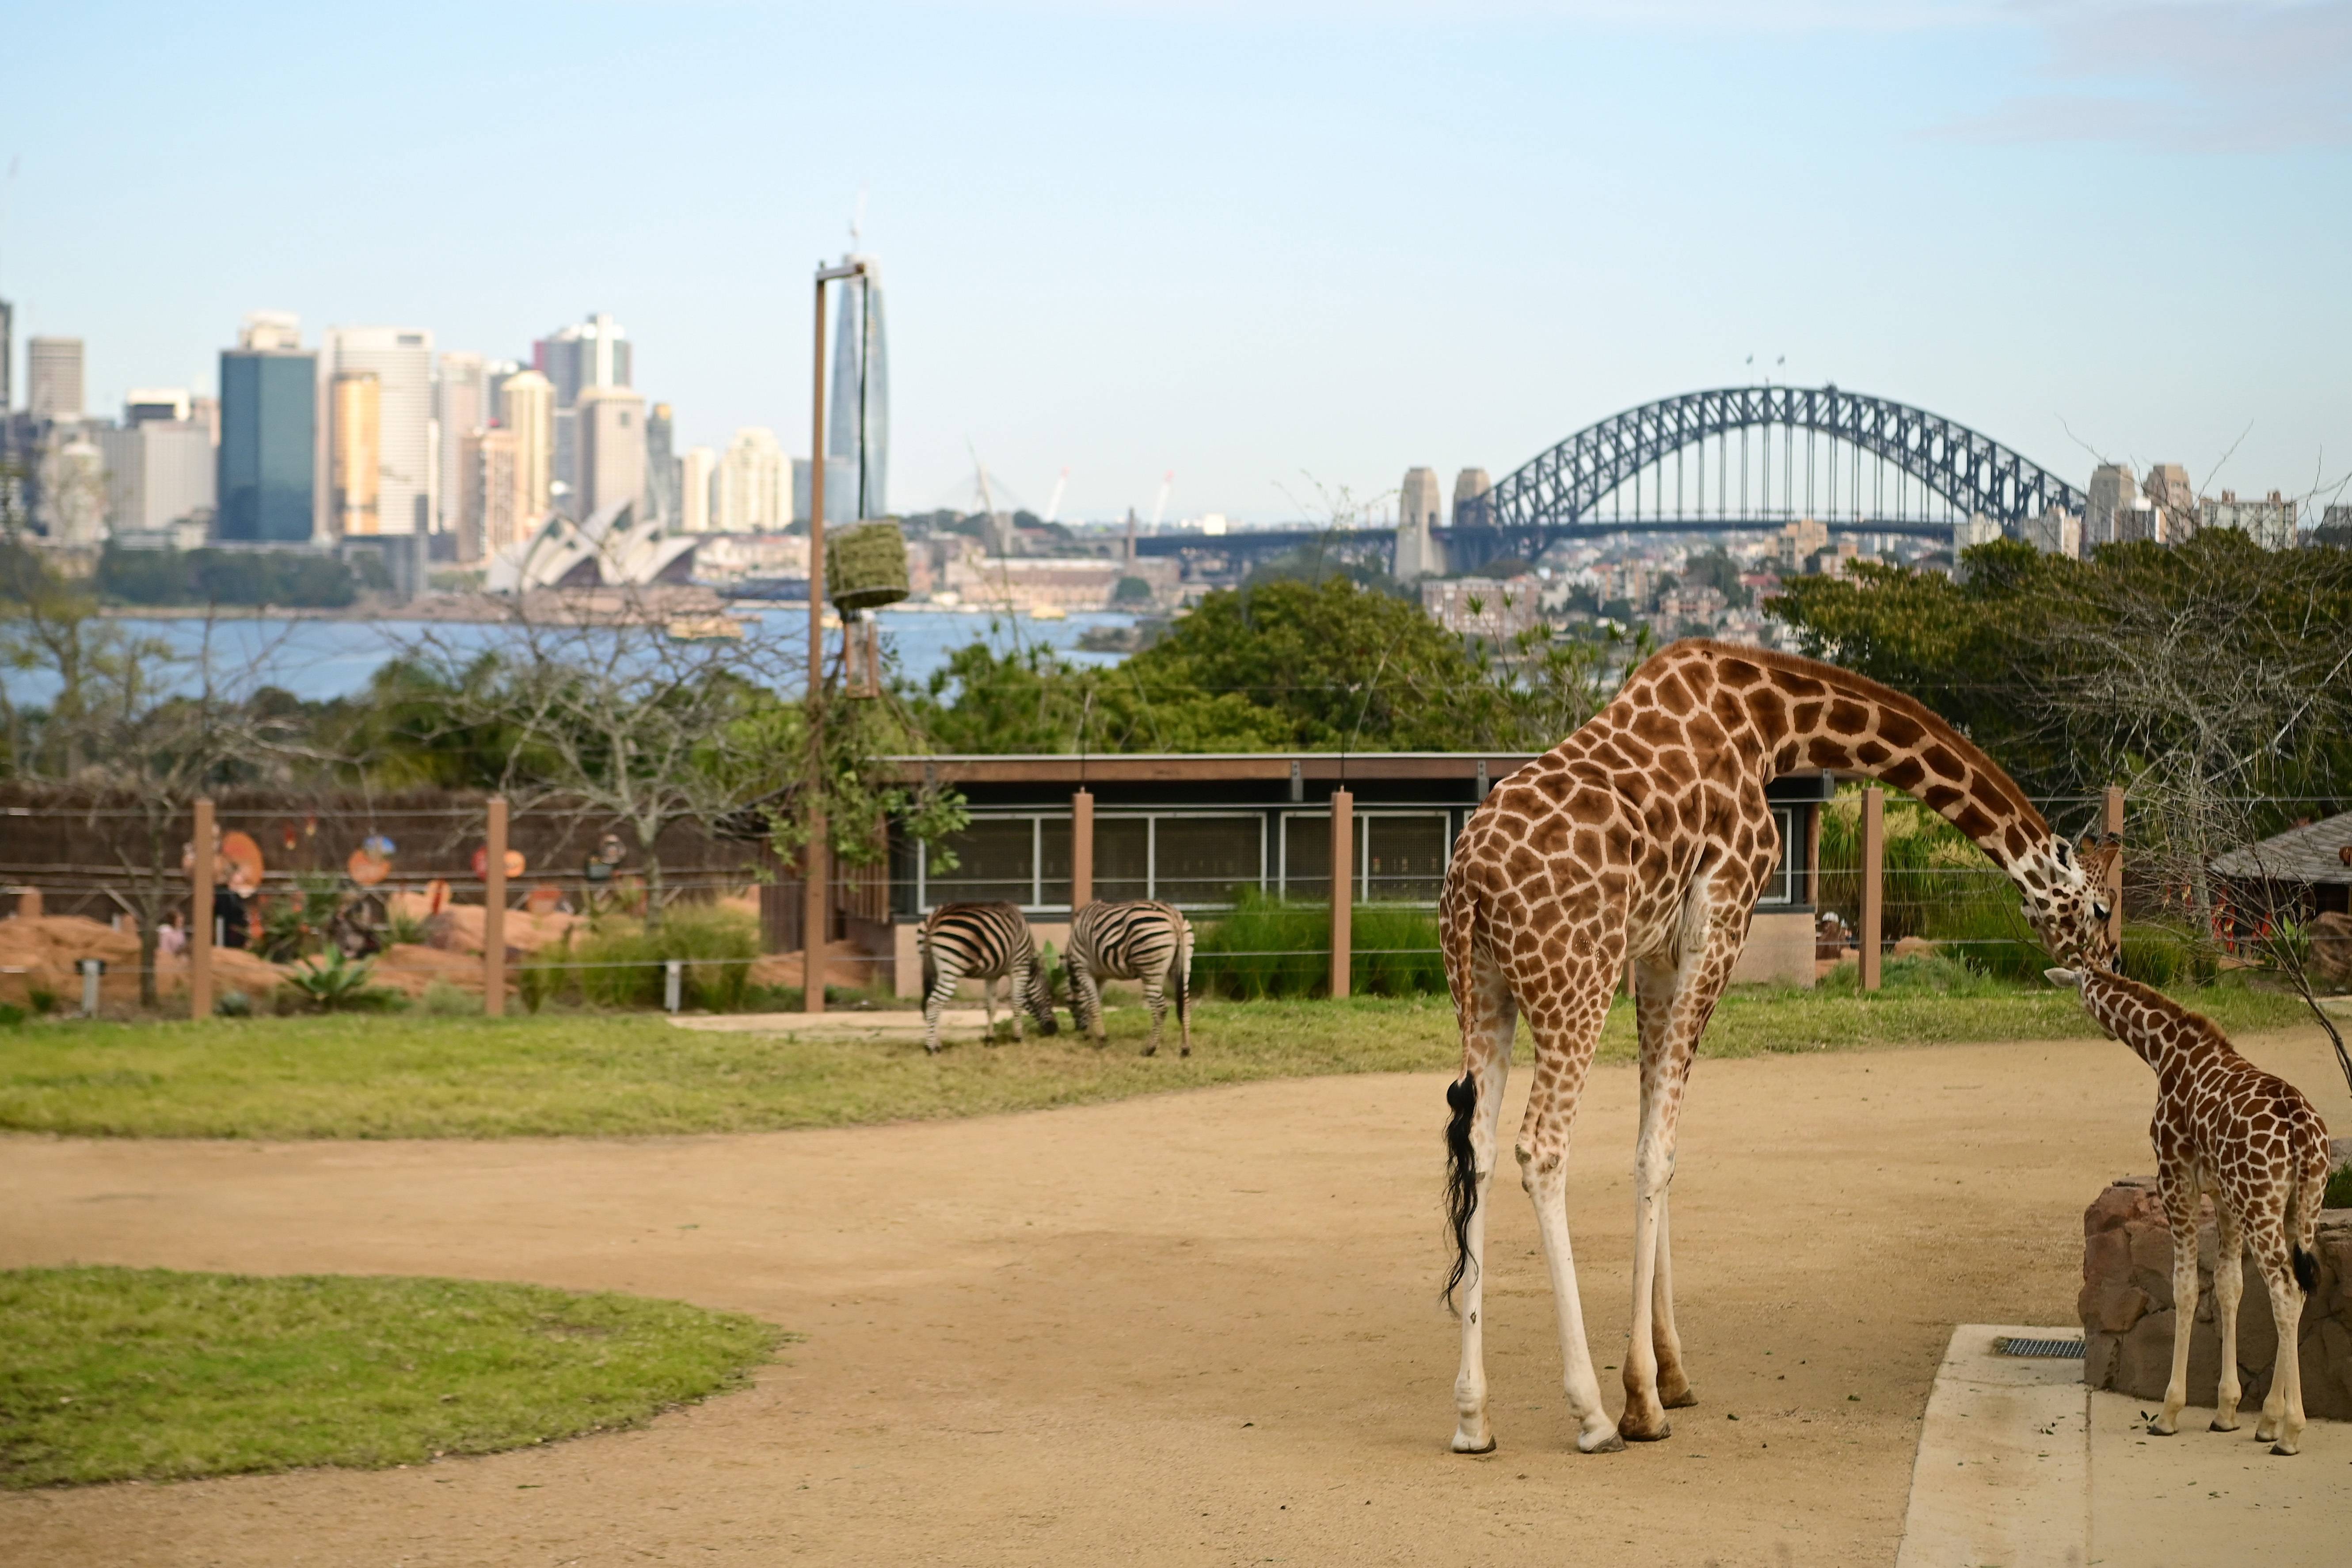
[(859, 428)]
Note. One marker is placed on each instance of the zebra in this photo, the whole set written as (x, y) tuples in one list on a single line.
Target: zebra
[(1132, 940), (984, 942)]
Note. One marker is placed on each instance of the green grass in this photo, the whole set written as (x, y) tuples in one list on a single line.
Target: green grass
[(344, 1076), (120, 1374)]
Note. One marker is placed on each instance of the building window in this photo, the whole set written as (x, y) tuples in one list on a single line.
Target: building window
[(1403, 856), (1022, 859), (1782, 884)]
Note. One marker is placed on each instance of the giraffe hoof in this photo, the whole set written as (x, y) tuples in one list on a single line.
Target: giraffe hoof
[(1463, 1446), (1610, 1443), (1682, 1400), (1633, 1431), (2286, 1450), (2217, 1427), (2158, 1429)]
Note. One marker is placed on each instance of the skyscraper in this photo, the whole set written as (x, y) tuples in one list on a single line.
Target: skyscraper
[(401, 359), (2107, 519), (594, 352), (695, 472), (498, 510), (7, 358), (266, 482), (527, 407), (751, 483), (159, 472), (858, 426), (661, 468), (53, 387), (460, 403), (355, 454), (611, 434)]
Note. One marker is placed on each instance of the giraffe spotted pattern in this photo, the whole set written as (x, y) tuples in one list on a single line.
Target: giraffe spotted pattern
[(2225, 1127), (1646, 836)]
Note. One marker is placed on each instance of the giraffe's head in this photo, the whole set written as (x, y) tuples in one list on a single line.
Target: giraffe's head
[(2066, 899)]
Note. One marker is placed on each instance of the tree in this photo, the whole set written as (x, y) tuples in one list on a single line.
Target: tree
[(1285, 664)]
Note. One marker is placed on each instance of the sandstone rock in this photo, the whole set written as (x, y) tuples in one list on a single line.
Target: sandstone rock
[(2114, 1306)]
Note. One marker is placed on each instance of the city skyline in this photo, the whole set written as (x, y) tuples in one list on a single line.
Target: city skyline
[(1178, 252)]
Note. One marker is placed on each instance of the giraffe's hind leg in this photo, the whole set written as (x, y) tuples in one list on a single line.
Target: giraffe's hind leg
[(1488, 1017)]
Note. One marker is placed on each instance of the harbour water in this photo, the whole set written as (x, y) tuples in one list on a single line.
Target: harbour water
[(323, 658)]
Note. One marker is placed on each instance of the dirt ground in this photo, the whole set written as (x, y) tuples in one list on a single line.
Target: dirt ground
[(1195, 1329)]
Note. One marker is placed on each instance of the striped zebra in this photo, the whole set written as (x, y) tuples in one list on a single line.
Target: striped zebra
[(1132, 940), (984, 942)]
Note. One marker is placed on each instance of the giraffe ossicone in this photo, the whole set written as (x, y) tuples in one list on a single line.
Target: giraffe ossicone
[(1646, 836)]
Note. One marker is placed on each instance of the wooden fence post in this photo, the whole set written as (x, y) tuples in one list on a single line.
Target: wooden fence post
[(816, 914), (1082, 850), (200, 915), (2112, 821), (1874, 883), (494, 910), (1343, 888)]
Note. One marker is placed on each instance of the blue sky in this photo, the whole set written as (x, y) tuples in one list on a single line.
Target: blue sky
[(1263, 245)]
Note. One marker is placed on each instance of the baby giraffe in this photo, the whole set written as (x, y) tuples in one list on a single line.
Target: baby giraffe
[(2223, 1126)]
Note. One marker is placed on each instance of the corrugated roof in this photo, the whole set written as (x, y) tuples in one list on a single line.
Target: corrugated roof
[(2310, 854)]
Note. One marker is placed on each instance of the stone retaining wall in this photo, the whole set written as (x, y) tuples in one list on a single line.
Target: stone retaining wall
[(2127, 1308)]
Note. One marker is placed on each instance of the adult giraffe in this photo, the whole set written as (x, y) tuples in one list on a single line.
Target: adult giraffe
[(1646, 833)]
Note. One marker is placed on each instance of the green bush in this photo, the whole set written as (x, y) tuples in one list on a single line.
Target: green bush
[(443, 1000), (1267, 947), (11, 1016), (620, 964), (2164, 955), (2339, 1189), (338, 985)]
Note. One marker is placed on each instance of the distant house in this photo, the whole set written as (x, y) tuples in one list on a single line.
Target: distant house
[(2316, 856)]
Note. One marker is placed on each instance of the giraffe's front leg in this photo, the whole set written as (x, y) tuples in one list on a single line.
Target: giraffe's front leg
[(2179, 1191), (2228, 1287)]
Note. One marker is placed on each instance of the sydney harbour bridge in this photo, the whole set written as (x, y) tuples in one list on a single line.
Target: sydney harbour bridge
[(1739, 457)]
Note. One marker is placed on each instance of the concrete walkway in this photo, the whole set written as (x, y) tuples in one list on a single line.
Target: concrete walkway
[(2020, 1466)]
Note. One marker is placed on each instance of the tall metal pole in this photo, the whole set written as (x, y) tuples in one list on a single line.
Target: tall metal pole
[(1874, 883), (816, 910)]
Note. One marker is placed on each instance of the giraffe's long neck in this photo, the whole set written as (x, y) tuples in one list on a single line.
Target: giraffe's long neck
[(2160, 1031), (1813, 715)]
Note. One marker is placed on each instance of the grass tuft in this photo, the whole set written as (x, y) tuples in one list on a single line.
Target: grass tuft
[(147, 1374)]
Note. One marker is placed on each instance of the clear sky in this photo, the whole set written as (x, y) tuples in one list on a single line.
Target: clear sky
[(1266, 245)]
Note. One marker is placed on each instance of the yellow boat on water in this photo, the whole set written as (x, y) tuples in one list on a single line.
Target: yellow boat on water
[(705, 628), (1048, 613)]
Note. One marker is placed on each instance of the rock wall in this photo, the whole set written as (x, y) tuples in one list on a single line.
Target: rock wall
[(2128, 1312)]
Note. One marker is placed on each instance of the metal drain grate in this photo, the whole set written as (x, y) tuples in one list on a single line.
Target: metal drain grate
[(2056, 1349)]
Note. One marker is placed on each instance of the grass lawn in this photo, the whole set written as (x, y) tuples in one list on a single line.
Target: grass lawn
[(418, 1076), (119, 1373)]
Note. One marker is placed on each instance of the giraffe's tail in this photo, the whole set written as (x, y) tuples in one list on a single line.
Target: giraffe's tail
[(1461, 1176), (2303, 1204)]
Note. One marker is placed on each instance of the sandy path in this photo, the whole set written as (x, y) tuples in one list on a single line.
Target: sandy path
[(1190, 1329)]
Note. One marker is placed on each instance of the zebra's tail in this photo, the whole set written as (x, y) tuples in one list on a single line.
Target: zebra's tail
[(931, 964)]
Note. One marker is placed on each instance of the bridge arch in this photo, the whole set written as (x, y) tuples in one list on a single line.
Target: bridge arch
[(1560, 490)]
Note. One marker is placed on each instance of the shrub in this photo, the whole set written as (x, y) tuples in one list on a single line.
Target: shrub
[(2339, 1189), (621, 963), (233, 1005), (41, 1000), (2164, 955), (1267, 947), (11, 1016), (443, 1000), (338, 985)]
